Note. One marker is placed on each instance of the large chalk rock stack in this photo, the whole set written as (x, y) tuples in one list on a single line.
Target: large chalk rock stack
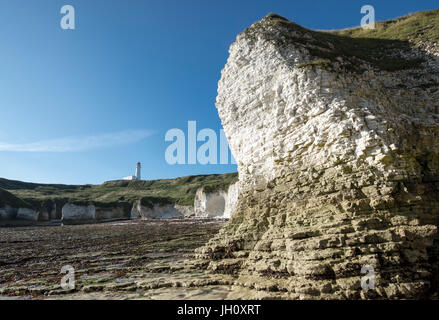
[(338, 165)]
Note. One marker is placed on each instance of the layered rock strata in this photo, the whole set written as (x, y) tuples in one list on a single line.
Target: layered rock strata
[(338, 165)]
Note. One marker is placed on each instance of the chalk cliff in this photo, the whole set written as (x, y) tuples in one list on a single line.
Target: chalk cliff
[(43, 204), (15, 209), (160, 211), (83, 214), (336, 136), (216, 203)]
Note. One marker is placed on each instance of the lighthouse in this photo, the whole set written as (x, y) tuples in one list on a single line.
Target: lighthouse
[(138, 167), (138, 174)]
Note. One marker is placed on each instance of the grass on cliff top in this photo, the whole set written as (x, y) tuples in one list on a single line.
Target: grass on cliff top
[(374, 46), (180, 190), (7, 198), (418, 26)]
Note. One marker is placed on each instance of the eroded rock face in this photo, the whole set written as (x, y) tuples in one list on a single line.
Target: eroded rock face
[(8, 213), (231, 200), (53, 213), (76, 214), (113, 213), (186, 211), (27, 214), (216, 204), (210, 204), (338, 169), (158, 211), (44, 215)]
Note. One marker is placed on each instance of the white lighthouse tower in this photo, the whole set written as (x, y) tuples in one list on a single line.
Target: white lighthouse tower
[(138, 174), (138, 167)]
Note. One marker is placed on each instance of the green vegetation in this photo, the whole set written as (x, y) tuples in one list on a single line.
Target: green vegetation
[(123, 193), (418, 26), (374, 46), (6, 198)]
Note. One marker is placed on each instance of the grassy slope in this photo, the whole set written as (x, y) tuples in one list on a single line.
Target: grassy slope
[(375, 47), (7, 198), (180, 190), (418, 26)]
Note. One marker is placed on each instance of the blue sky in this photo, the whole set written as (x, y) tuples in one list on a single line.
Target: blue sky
[(83, 106)]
